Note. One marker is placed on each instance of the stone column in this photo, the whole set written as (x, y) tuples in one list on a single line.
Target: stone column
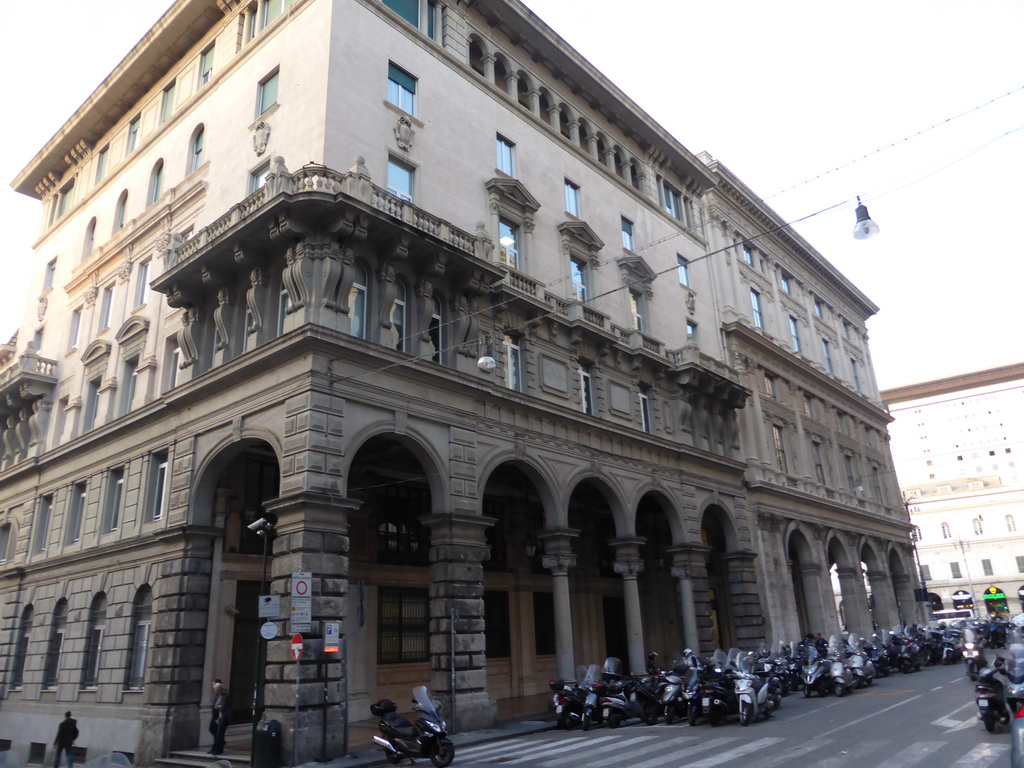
[(906, 606), (696, 605), (457, 551), (174, 688), (855, 609), (312, 536), (681, 573), (746, 599), (885, 613), (628, 564), (820, 614), (559, 558)]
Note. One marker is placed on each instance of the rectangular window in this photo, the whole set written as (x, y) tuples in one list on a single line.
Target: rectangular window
[(258, 177), (586, 392), (794, 333), (572, 199), (926, 572), (954, 570), (105, 305), (785, 284), (433, 25), (578, 271), (142, 284), (819, 462), (645, 413), (683, 270), (115, 497), (139, 652), (407, 9), (205, 66), (1020, 563), (167, 103), (76, 324), (505, 155), (173, 363), (770, 388), (819, 310), (76, 513), (101, 164), (780, 448), (691, 332), (42, 527), (852, 483), (627, 234), (91, 405), (748, 256), (856, 373), (158, 485), (672, 201), (267, 93), (129, 378), (91, 669), (284, 303), (271, 10), (755, 305), (826, 352), (508, 243), (50, 275), (64, 199), (513, 364), (986, 567), (133, 135), (402, 89), (636, 309), (403, 619), (400, 178)]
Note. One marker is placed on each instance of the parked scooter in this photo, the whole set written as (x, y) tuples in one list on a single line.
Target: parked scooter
[(402, 740), (950, 653), (756, 695), (816, 673), (973, 659), (839, 672), (999, 692), (718, 691), (674, 702), (860, 664), (569, 699)]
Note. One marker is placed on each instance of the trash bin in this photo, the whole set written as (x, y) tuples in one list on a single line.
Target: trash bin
[(267, 749)]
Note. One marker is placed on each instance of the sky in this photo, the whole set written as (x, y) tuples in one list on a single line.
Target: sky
[(810, 103)]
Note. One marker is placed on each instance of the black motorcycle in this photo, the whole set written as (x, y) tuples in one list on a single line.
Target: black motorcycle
[(427, 737), (999, 692), (718, 690)]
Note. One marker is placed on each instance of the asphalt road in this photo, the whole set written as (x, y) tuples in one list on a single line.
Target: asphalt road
[(926, 718)]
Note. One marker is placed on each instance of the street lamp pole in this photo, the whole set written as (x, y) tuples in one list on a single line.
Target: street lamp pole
[(970, 581), (264, 527)]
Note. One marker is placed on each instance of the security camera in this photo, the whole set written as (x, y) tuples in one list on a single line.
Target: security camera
[(258, 525)]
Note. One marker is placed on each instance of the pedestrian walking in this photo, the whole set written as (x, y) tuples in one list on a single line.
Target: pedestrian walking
[(219, 722), (67, 732)]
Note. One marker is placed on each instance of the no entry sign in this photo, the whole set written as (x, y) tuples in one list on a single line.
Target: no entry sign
[(296, 646)]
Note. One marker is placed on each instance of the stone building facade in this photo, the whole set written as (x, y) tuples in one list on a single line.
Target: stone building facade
[(957, 443), (310, 261)]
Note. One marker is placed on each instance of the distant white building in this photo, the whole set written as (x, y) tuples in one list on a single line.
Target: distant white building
[(957, 444)]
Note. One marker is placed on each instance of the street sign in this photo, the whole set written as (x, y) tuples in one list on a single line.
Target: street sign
[(296, 646), (301, 614), (270, 606), (302, 584), (331, 631), (268, 630)]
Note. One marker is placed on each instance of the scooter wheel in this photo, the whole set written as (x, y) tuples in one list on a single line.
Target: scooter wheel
[(650, 712), (990, 722), (444, 754), (807, 691), (714, 720), (393, 757), (840, 689), (614, 720), (565, 722), (746, 714), (586, 721), (670, 715), (691, 716)]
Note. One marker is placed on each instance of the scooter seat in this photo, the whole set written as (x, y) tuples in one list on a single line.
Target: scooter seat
[(400, 725)]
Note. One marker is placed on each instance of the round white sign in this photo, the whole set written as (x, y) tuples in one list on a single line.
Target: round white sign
[(268, 630)]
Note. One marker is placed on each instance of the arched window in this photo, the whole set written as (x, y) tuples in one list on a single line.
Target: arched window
[(945, 531), (977, 526), (915, 533), (476, 56), (357, 302), (156, 182), (90, 240), (51, 670), (436, 329), (1011, 524), (121, 212), (94, 641), (138, 649), (195, 149), (21, 650), (398, 315)]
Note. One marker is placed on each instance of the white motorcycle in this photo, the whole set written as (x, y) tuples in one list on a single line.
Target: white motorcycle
[(860, 663), (842, 677), (756, 695)]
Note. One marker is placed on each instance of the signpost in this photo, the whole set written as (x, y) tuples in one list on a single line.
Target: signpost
[(302, 601), (296, 654)]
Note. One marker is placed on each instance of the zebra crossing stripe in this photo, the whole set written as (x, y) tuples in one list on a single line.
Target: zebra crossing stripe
[(788, 757), (912, 755), (667, 749), (497, 749), (557, 748), (732, 754), (982, 755)]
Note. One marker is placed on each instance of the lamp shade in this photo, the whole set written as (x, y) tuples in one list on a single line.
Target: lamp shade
[(865, 227)]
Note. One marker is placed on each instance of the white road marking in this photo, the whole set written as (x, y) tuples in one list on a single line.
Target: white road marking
[(659, 762), (981, 755), (852, 756), (852, 723), (912, 755), (789, 757), (723, 757), (938, 687)]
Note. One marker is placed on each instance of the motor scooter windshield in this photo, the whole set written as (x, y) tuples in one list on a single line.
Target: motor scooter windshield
[(720, 659), (1014, 664), (612, 669), (856, 642), (430, 708), (812, 655), (835, 645), (746, 663)]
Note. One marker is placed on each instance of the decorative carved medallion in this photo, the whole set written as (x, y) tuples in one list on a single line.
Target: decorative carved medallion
[(404, 133), (261, 137)]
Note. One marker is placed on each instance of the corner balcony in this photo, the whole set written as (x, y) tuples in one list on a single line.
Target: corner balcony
[(26, 398)]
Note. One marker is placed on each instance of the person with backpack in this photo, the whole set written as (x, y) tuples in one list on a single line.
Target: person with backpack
[(67, 732)]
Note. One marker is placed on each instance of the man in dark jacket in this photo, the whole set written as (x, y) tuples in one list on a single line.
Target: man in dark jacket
[(67, 732)]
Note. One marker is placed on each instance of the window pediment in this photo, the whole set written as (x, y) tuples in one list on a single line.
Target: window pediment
[(132, 336), (579, 240), (635, 271), (98, 351), (512, 191)]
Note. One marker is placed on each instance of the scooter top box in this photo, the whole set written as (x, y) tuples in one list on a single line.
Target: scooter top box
[(383, 707)]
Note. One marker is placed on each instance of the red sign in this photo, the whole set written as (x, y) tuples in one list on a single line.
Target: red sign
[(296, 646)]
